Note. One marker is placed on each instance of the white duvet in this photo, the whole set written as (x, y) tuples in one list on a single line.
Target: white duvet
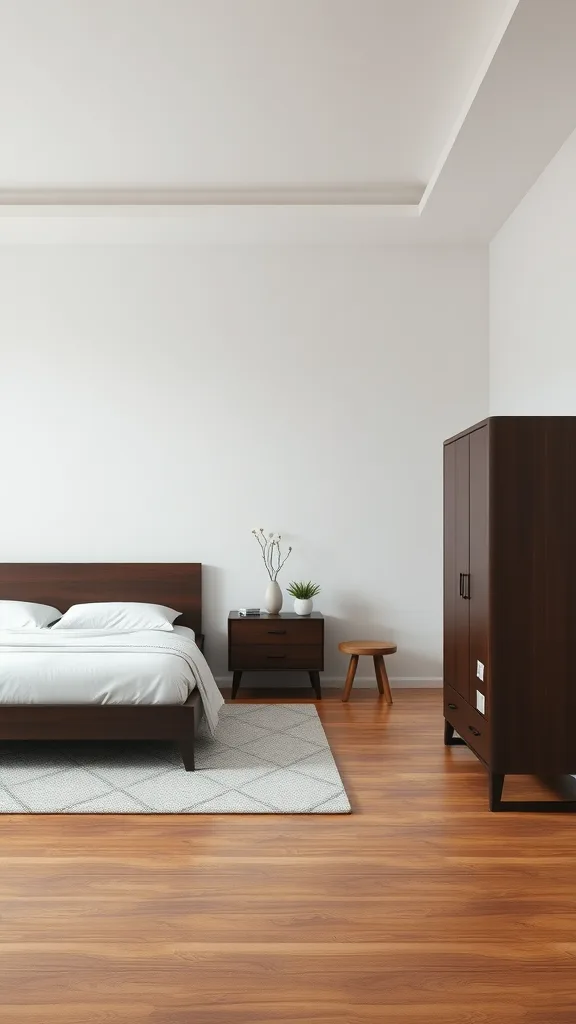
[(86, 666)]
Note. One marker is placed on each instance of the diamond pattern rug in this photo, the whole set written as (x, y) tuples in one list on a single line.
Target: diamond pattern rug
[(265, 759)]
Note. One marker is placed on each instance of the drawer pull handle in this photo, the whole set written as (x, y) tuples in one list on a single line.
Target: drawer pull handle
[(453, 707), (277, 632), (276, 657), (475, 732)]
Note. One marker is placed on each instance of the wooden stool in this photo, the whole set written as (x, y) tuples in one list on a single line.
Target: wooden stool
[(377, 649)]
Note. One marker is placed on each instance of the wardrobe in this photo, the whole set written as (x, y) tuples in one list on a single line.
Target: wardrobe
[(510, 597)]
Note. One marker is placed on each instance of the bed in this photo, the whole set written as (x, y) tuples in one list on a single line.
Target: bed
[(177, 585)]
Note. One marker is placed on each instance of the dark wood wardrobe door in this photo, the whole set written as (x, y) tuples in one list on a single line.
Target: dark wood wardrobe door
[(478, 603), (533, 553), (457, 565)]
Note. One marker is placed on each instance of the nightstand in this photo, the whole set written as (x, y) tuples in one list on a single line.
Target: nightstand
[(276, 643)]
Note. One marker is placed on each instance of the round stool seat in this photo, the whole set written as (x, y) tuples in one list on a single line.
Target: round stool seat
[(372, 647)]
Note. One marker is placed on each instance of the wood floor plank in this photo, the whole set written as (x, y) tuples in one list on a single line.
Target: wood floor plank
[(420, 907)]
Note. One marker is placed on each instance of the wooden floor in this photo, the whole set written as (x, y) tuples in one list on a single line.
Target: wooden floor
[(419, 908)]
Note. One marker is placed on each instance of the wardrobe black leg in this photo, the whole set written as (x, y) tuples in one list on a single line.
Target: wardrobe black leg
[(449, 739), (495, 786), (236, 683)]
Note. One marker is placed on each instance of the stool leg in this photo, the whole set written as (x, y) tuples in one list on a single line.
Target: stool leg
[(350, 677), (382, 677)]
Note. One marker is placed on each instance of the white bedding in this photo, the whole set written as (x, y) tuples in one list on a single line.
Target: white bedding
[(80, 666)]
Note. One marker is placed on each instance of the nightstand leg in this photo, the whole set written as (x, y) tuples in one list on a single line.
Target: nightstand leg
[(315, 680), (236, 683)]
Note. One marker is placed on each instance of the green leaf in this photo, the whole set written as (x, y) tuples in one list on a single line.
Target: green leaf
[(303, 591)]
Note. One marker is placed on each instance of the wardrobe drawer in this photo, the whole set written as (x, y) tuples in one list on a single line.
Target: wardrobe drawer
[(473, 727)]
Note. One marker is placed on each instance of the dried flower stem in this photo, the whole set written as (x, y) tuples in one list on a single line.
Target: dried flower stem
[(271, 552)]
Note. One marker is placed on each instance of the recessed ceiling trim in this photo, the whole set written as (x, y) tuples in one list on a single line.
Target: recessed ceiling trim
[(399, 195)]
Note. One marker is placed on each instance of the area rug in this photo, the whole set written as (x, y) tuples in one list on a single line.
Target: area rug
[(266, 759)]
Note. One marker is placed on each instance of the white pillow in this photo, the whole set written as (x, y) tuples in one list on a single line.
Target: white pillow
[(121, 615), (23, 615)]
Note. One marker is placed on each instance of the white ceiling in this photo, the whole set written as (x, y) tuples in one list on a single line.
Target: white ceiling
[(157, 94), (383, 120)]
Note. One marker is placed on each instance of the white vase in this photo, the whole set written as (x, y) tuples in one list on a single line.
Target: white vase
[(303, 606), (273, 598)]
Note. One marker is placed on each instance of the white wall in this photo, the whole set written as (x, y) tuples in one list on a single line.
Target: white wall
[(533, 298), (158, 402)]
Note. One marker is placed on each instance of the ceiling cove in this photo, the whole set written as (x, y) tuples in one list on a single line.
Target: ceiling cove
[(290, 103)]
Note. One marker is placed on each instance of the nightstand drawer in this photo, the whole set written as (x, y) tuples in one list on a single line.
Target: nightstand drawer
[(276, 631), (246, 657)]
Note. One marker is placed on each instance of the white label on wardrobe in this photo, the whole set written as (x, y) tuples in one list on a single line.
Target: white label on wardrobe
[(480, 670), (480, 702)]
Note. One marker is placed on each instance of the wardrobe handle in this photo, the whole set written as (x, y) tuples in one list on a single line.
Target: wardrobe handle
[(277, 632), (276, 657), (466, 594), (453, 707), (461, 584), (475, 732)]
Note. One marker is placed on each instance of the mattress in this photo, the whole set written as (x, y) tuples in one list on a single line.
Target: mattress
[(97, 667)]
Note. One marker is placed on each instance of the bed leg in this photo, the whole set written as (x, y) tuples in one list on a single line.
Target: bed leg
[(186, 747)]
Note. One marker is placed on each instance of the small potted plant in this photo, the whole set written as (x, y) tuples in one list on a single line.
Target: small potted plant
[(303, 594)]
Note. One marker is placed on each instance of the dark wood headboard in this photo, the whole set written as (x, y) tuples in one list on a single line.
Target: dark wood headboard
[(175, 584)]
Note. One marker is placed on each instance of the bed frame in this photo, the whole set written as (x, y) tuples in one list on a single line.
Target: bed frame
[(177, 584)]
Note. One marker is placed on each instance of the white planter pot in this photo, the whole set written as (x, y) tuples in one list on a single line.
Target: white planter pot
[(303, 607), (273, 598)]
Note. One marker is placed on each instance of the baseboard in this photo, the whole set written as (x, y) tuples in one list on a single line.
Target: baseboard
[(403, 682)]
